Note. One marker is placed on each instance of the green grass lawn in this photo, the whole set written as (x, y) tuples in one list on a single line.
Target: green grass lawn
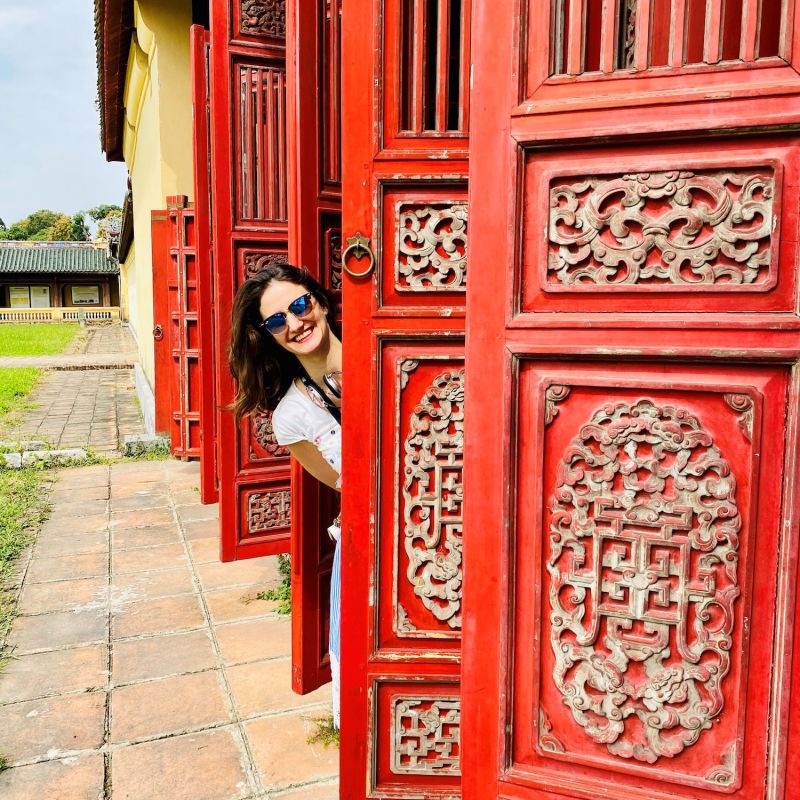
[(36, 339), (15, 384)]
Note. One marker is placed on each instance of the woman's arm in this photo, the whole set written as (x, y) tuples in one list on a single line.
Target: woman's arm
[(312, 461)]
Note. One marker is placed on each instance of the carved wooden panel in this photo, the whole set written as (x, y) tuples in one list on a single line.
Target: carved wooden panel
[(263, 18), (682, 228), (252, 257), (417, 749), (421, 504), (424, 234), (431, 246), (643, 578), (427, 731), (638, 550), (692, 229), (268, 511)]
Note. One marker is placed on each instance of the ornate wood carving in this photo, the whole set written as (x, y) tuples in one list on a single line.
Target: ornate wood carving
[(724, 774), (709, 228), (333, 257), (743, 404), (265, 436), (432, 495), (553, 395), (431, 246), (547, 739), (255, 262), (406, 367), (263, 18), (426, 736), (643, 578), (269, 510)]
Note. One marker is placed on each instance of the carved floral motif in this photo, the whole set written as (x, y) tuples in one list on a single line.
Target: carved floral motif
[(432, 496), (265, 436), (255, 262), (547, 739), (269, 510), (678, 228), (643, 563), (553, 395), (431, 246), (426, 733), (263, 18)]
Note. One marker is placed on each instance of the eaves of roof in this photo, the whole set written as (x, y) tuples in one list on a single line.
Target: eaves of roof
[(113, 26)]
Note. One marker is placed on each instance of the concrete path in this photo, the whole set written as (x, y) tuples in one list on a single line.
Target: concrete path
[(78, 406), (144, 669)]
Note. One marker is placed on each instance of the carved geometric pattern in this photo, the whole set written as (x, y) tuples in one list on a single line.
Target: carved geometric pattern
[(643, 578), (432, 496), (431, 246), (680, 228), (426, 736), (268, 510), (255, 262), (264, 17), (265, 435)]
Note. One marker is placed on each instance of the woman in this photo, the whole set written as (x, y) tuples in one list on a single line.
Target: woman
[(286, 356)]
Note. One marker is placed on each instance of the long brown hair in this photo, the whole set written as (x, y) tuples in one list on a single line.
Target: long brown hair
[(262, 368)]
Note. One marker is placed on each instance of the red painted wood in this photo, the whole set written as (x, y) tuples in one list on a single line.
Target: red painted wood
[(249, 230), (314, 196), (183, 290), (568, 660), (404, 177), (160, 234), (201, 133)]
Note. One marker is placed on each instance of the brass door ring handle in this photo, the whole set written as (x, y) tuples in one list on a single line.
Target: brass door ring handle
[(158, 333), (358, 247)]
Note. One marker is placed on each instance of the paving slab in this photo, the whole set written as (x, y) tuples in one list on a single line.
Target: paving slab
[(144, 668)]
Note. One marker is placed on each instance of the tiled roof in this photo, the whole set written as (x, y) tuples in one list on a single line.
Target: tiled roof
[(50, 257)]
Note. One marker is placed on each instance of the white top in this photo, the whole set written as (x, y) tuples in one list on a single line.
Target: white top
[(299, 419)]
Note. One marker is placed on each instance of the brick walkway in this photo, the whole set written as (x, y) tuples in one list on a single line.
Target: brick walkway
[(144, 669), (78, 404)]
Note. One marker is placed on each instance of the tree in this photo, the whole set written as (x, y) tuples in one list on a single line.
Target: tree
[(80, 230), (102, 211)]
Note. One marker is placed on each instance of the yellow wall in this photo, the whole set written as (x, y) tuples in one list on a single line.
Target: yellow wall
[(157, 143)]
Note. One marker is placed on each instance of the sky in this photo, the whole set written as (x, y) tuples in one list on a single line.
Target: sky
[(50, 153)]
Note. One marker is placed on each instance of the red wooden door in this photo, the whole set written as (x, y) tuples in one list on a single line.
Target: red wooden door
[(201, 138), (184, 337), (634, 340), (314, 183), (160, 242), (405, 147), (249, 213)]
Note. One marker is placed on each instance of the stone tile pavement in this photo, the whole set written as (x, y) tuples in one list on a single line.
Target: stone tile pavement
[(143, 668), (80, 401)]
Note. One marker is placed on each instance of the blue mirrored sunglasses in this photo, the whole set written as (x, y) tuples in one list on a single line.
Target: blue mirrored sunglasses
[(276, 323)]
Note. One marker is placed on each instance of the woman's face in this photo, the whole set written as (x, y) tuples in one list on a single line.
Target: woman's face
[(303, 335)]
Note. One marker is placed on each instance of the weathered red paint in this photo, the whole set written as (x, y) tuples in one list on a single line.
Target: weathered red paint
[(404, 188), (314, 195), (160, 235), (248, 176), (200, 53), (590, 668), (184, 340)]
